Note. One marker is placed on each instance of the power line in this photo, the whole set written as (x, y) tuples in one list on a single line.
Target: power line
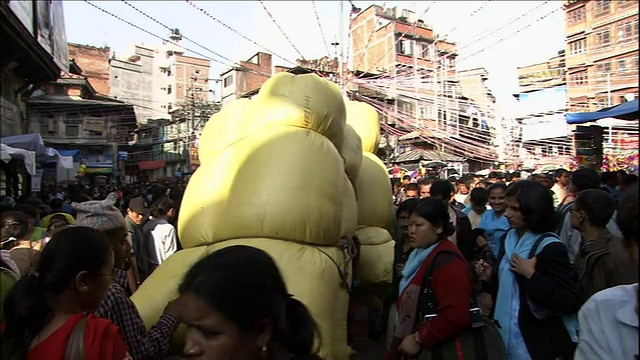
[(324, 39), (281, 31), (206, 13)]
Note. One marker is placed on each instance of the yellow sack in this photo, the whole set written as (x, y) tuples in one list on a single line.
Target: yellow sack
[(311, 274), (373, 189), (376, 258), (283, 184), (349, 223), (351, 152), (372, 235), (306, 101), (365, 120), (234, 122)]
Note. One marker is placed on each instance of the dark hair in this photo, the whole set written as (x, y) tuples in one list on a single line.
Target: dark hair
[(608, 176), (14, 224), (412, 187), (56, 223), (494, 175), (406, 177), (222, 280), (598, 205), (585, 179), (479, 196), (485, 183), (561, 172), (627, 216), (507, 177), (436, 212), (26, 309), (30, 210), (56, 204), (516, 174), (162, 207), (499, 185), (536, 205), (630, 180), (406, 206), (428, 181), (442, 189)]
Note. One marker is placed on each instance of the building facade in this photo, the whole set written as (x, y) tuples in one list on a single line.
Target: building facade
[(601, 44), (94, 62), (238, 82), (544, 135)]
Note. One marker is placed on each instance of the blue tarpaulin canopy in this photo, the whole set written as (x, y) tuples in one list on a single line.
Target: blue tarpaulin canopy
[(625, 111)]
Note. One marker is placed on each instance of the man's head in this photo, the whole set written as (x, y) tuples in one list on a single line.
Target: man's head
[(585, 179), (412, 191), (137, 210), (406, 179), (609, 178), (627, 221), (493, 177), (442, 189), (563, 176), (479, 198), (515, 176), (592, 208), (425, 186)]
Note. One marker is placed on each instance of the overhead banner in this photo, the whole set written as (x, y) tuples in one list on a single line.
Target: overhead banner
[(194, 158)]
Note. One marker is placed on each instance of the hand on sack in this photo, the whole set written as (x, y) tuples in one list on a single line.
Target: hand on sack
[(409, 345), (484, 270), (174, 308), (522, 266)]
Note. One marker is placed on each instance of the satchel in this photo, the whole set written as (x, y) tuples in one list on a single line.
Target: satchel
[(75, 347), (481, 341)]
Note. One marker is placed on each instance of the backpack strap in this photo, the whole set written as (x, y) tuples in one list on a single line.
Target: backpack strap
[(538, 241), (75, 347), (501, 249)]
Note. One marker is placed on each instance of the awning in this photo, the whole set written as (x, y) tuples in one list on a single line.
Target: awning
[(33, 142), (152, 165), (625, 111), (71, 153), (28, 157), (428, 155)]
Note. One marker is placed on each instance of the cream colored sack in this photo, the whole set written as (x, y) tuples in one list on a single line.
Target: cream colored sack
[(349, 210), (306, 101), (351, 152), (376, 264), (234, 122), (366, 122), (373, 189), (372, 235), (311, 274), (284, 184)]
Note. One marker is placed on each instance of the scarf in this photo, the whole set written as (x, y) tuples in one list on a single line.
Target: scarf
[(413, 264), (508, 299)]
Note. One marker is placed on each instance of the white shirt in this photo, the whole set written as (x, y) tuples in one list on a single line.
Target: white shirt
[(162, 240), (609, 325)]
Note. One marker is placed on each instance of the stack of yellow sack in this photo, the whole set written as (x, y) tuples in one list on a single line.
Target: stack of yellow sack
[(375, 204), (273, 175)]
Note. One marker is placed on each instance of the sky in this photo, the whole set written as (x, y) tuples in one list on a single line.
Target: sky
[(477, 27)]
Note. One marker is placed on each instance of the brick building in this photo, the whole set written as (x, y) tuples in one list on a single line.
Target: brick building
[(601, 44), (94, 62), (237, 82)]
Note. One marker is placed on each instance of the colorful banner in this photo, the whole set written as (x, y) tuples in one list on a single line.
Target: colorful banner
[(194, 158)]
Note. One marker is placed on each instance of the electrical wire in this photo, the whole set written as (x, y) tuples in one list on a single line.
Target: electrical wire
[(324, 38), (373, 31), (210, 16), (281, 30)]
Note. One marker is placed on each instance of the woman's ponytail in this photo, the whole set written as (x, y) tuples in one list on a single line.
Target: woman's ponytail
[(302, 329), (26, 313)]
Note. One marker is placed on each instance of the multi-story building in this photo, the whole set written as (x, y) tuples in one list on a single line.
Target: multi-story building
[(478, 107), (157, 79), (601, 44), (94, 62), (70, 115), (413, 78), (246, 79), (33, 48), (544, 133)]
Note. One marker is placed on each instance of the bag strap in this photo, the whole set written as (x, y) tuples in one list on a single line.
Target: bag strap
[(501, 249), (538, 241), (75, 347)]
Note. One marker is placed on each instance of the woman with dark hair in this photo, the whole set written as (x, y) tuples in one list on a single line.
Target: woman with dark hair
[(535, 286), (236, 306), (437, 266), (493, 224), (45, 309), (24, 252)]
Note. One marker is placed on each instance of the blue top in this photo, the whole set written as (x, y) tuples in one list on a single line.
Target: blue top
[(494, 228)]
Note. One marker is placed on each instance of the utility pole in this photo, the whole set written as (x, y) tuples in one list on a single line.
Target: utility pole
[(341, 64)]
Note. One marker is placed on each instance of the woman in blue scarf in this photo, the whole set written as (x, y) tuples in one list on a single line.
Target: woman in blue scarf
[(536, 298), (493, 224)]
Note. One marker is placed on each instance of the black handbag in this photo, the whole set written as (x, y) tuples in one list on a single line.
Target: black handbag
[(481, 341)]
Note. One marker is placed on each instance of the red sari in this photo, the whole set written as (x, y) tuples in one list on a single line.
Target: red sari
[(102, 341)]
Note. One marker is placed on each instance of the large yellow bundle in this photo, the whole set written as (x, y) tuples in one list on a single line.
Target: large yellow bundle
[(373, 190), (284, 184), (351, 152), (306, 101), (349, 209), (314, 275), (365, 120)]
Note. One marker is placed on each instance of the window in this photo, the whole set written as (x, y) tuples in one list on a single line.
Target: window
[(602, 37), (576, 16), (627, 31), (602, 7), (579, 78), (228, 81), (622, 65), (604, 68), (425, 51), (404, 47), (169, 89), (72, 130), (196, 72), (578, 47)]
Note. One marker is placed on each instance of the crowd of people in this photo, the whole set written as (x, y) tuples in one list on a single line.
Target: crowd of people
[(540, 261)]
